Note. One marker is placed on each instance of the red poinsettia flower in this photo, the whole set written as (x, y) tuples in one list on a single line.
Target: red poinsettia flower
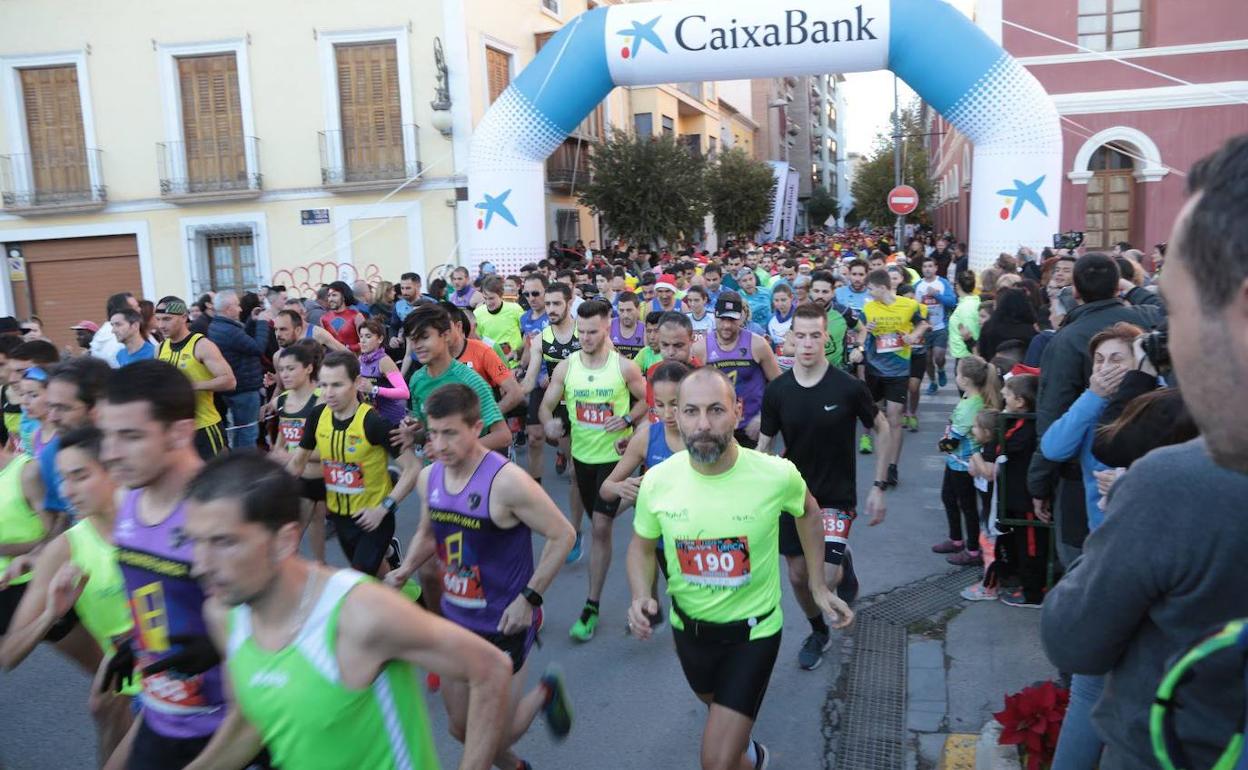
[(1032, 720)]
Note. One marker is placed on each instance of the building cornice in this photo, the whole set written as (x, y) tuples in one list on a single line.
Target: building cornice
[(1143, 99), (1082, 57)]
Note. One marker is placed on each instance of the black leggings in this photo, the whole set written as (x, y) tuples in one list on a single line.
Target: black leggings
[(961, 501)]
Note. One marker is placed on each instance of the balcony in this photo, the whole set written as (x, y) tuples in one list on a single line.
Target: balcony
[(61, 182), (568, 167), (224, 168), (694, 90), (352, 161)]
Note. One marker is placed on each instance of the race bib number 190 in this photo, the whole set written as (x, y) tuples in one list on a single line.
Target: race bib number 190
[(721, 562)]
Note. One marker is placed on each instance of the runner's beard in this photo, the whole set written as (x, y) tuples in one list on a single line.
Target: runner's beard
[(706, 448)]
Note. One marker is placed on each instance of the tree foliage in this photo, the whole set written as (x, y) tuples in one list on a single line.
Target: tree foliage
[(647, 189), (741, 192), (820, 206), (875, 176)]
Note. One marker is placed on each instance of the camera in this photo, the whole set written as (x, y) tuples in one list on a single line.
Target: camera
[(1072, 239), (1156, 345)]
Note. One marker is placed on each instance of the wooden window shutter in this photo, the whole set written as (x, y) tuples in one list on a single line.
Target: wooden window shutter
[(212, 121), (58, 151), (370, 112), (498, 72), (540, 39)]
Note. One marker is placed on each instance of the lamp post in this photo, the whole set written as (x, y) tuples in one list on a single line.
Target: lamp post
[(441, 104)]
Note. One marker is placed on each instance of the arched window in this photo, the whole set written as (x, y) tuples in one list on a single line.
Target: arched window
[(1111, 195)]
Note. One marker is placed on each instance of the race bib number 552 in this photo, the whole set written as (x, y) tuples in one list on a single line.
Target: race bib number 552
[(722, 562)]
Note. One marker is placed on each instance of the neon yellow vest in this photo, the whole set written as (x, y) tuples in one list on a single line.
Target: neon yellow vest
[(593, 397), (205, 408), (102, 607), (18, 521), (357, 474)]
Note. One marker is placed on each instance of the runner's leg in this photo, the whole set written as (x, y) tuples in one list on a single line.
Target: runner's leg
[(725, 739)]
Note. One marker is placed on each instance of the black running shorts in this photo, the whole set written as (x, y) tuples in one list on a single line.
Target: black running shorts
[(364, 549), (589, 478), (734, 674)]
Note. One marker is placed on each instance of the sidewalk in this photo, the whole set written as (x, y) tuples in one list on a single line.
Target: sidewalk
[(958, 675)]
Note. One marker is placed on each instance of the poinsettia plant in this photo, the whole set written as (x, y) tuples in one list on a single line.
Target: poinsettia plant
[(1032, 720)]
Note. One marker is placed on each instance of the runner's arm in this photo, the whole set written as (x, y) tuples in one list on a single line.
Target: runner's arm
[(235, 743), (407, 358), (379, 625), (528, 502), (511, 394), (554, 394), (498, 437), (328, 340), (31, 621), (533, 373), (299, 458), (810, 532), (641, 563), (636, 382), (409, 472), (766, 358), (634, 455), (208, 354)]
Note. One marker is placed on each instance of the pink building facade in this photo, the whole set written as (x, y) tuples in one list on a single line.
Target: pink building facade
[(1129, 135)]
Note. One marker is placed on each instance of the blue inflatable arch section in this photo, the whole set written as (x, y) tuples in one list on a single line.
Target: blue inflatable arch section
[(942, 55)]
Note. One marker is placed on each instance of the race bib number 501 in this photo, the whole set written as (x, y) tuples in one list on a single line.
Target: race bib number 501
[(722, 562)]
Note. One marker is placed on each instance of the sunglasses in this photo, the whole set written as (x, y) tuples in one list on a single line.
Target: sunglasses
[(533, 294)]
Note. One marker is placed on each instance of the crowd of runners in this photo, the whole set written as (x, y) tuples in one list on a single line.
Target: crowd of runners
[(170, 484)]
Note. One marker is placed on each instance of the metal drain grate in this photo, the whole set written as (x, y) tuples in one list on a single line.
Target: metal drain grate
[(872, 695)]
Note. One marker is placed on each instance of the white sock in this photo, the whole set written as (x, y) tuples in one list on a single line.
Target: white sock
[(751, 754)]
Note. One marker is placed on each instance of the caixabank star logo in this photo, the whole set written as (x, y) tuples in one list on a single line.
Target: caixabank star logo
[(494, 204), (1021, 194), (641, 33)]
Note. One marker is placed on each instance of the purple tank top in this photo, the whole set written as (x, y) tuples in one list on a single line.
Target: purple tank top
[(392, 409), (483, 567), (739, 364), (462, 297), (628, 346), (166, 602)]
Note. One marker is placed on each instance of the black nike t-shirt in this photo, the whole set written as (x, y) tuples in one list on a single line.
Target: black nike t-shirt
[(817, 424), (376, 429)]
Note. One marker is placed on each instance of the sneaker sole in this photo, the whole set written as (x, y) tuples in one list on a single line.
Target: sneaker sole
[(811, 668), (764, 756)]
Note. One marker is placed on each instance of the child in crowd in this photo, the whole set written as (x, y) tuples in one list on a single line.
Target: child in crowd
[(781, 315), (983, 473), (980, 387), (649, 355)]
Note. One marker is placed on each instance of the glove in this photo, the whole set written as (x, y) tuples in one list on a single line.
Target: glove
[(196, 654), (948, 444), (119, 672)]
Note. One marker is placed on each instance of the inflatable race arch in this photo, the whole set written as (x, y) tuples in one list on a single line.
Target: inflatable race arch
[(942, 55)]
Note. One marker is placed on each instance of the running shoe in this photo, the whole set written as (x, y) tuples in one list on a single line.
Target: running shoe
[(575, 554), (848, 588), (583, 628), (394, 557), (763, 758), (865, 446), (948, 546), (891, 479), (558, 707), (943, 379), (978, 593), (561, 463), (522, 438), (965, 559), (1016, 598), (811, 654), (412, 590), (932, 387)]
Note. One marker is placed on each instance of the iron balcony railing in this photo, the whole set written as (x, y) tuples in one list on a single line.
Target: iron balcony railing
[(568, 166), (205, 166), (355, 157), (58, 178)]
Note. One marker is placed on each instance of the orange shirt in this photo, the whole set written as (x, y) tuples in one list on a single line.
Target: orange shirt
[(482, 359)]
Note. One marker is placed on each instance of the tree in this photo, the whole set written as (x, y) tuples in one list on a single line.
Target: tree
[(820, 206), (875, 176), (647, 189), (741, 192)]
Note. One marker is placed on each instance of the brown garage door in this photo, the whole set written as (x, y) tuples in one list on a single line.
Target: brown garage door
[(71, 279)]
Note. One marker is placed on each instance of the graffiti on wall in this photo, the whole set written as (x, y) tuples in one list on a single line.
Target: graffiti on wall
[(304, 280)]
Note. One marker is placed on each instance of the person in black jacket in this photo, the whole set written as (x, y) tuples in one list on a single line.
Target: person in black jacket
[(1012, 319), (1065, 370), (243, 354)]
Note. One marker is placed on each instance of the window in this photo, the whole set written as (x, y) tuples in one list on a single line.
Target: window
[(58, 148), (212, 123), (231, 261), (669, 126), (1110, 25), (370, 113), (643, 124), (498, 72), (567, 226), (551, 5)]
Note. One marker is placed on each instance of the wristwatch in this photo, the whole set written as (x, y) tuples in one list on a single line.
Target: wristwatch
[(390, 504), (531, 596), (628, 420), (880, 485)]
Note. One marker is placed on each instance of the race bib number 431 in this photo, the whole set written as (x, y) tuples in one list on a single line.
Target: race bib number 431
[(593, 415), (721, 562)]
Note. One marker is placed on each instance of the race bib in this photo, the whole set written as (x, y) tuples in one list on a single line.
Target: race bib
[(342, 478), (592, 414), (720, 562), (836, 524), (292, 431), (889, 343), (461, 586)]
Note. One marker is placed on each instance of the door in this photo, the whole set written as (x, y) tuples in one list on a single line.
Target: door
[(71, 279), (1111, 193)]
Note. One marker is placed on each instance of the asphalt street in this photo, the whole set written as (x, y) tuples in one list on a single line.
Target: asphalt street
[(632, 707)]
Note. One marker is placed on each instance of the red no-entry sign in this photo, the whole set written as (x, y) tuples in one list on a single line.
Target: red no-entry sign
[(903, 199)]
